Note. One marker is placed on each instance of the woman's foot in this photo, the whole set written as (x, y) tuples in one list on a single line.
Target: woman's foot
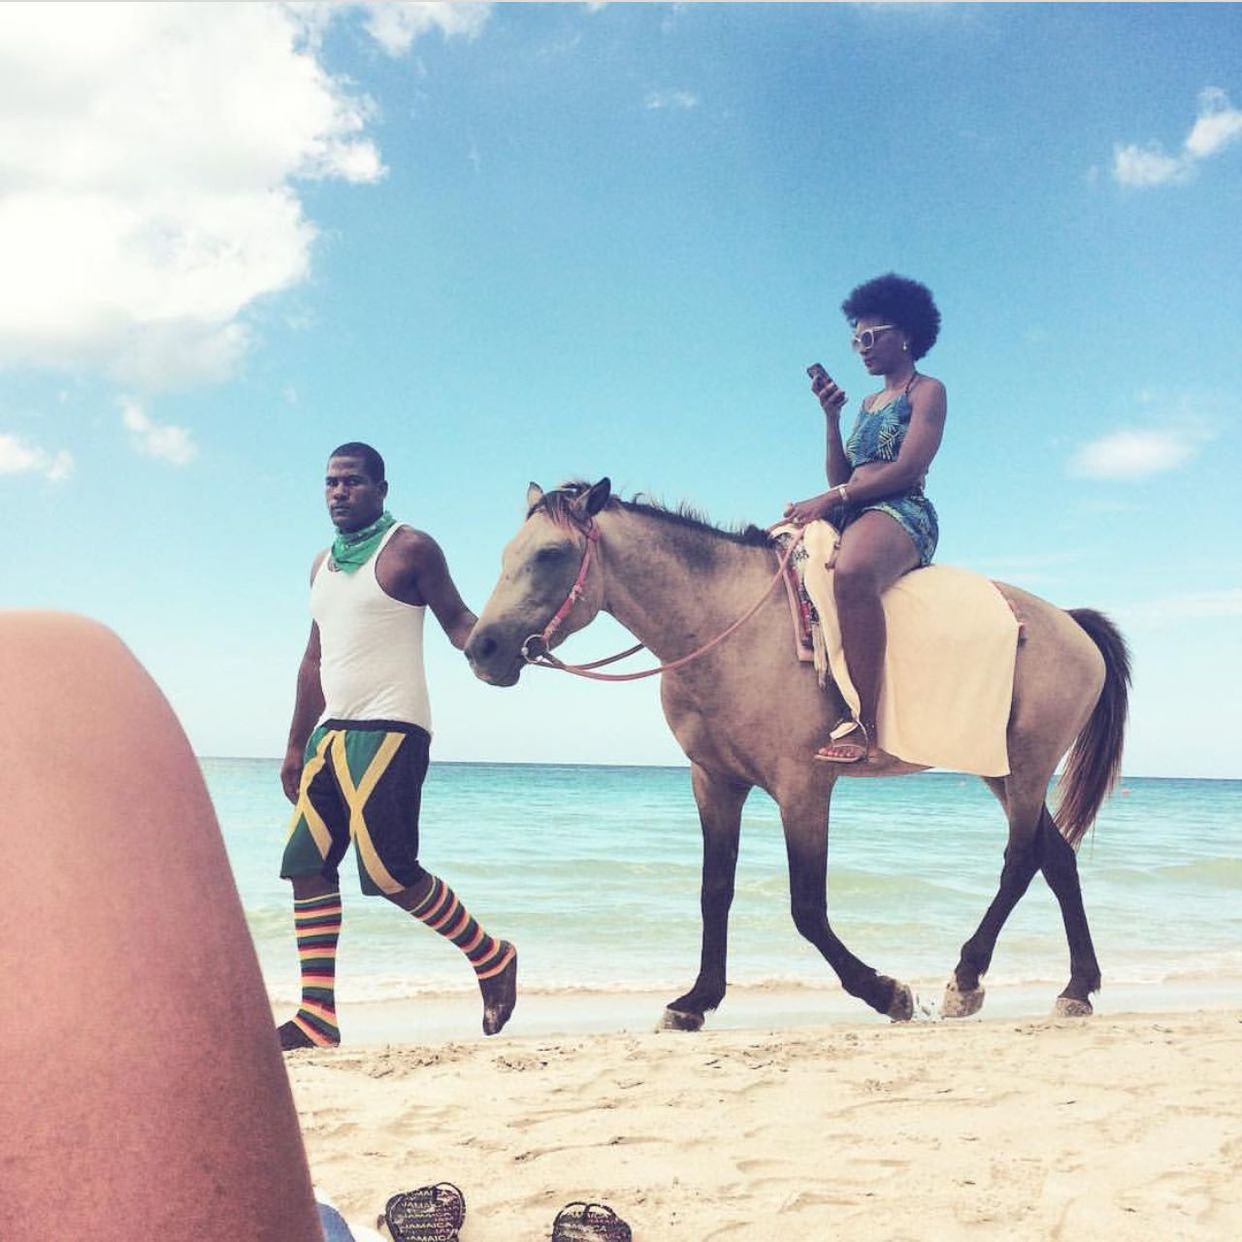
[(854, 746), (842, 752)]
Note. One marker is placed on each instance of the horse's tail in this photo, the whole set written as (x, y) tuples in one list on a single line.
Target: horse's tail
[(1094, 761)]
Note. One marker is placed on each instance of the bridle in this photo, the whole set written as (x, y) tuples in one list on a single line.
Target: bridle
[(536, 649)]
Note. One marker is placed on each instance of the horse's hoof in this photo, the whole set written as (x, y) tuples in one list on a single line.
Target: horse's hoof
[(1069, 1007), (959, 1004), (901, 1007), (676, 1020)]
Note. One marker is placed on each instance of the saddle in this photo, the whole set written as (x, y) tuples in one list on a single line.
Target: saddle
[(947, 687)]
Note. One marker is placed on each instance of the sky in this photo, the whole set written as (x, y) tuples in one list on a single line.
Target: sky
[(514, 242)]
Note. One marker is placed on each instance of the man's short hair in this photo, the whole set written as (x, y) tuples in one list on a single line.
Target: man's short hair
[(373, 462)]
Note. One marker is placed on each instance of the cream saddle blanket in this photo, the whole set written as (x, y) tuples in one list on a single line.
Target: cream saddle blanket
[(948, 671)]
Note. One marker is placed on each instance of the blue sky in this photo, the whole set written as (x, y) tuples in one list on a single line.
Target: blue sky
[(519, 242)]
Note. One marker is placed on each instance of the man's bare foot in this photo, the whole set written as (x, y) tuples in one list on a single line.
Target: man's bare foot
[(500, 993)]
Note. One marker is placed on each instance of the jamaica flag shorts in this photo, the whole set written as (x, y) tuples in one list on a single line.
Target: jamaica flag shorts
[(362, 781)]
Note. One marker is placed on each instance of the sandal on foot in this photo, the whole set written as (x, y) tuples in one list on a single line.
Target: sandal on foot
[(589, 1222), (852, 751), (428, 1214)]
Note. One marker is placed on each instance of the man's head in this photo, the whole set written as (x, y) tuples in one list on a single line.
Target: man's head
[(354, 486)]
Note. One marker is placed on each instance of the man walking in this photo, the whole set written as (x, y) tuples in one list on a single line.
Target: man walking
[(359, 741)]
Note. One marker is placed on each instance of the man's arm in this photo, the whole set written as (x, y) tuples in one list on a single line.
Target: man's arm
[(413, 569), (307, 708), (436, 586)]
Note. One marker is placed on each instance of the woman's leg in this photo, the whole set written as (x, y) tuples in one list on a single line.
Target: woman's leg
[(143, 1092), (875, 551)]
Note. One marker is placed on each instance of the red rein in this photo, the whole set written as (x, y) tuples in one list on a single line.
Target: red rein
[(535, 650)]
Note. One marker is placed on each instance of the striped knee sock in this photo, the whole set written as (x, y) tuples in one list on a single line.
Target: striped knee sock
[(443, 912), (317, 922)]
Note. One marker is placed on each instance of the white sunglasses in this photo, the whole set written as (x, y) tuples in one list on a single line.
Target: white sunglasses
[(866, 338)]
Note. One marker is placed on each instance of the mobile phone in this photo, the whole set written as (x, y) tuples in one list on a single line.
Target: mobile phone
[(815, 370)]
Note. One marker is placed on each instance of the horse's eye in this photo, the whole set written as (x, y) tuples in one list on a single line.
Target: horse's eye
[(550, 555)]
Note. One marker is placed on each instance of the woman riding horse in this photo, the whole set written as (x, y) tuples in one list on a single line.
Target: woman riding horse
[(875, 498)]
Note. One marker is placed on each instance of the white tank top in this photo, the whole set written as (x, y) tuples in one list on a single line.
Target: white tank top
[(371, 647)]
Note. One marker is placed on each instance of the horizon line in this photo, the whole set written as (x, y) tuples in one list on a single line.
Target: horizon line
[(678, 767)]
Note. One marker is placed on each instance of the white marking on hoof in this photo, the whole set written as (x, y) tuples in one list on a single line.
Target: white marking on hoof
[(675, 1020), (959, 1004), (1068, 1007), (902, 1007)]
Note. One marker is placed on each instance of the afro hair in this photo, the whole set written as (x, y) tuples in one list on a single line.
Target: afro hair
[(901, 301)]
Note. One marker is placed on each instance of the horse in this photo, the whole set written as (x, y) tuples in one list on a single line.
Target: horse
[(747, 713)]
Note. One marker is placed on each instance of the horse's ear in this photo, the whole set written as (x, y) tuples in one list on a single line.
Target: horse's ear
[(534, 494), (598, 496)]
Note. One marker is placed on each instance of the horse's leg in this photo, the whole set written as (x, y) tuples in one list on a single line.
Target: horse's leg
[(1025, 808), (1059, 864), (806, 846), (720, 802)]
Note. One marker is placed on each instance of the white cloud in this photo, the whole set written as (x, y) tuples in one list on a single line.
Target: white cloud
[(1133, 453), (1218, 124), (1145, 166), (18, 457), (161, 440), (150, 156), (1192, 606), (1046, 569), (395, 24), (679, 100)]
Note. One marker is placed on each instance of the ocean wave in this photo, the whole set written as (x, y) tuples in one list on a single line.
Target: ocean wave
[(1224, 977)]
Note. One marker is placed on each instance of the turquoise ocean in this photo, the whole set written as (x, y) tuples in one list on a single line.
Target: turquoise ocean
[(594, 873)]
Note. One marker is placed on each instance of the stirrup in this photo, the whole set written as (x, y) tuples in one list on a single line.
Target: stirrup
[(844, 730)]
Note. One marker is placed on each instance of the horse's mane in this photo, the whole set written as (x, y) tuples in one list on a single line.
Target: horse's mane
[(557, 505)]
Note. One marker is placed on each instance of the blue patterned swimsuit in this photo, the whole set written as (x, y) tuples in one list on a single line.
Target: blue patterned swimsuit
[(877, 435)]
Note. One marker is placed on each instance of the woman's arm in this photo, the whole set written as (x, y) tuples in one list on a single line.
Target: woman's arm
[(928, 406), (836, 464), (832, 401)]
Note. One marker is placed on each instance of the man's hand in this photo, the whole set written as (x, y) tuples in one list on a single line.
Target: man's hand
[(291, 773)]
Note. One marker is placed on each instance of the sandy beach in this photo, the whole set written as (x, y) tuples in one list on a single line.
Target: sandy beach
[(1125, 1126)]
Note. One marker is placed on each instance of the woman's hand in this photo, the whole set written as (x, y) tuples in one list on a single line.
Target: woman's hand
[(800, 512), (831, 398)]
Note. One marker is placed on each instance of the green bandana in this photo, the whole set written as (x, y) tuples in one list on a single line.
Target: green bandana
[(352, 549)]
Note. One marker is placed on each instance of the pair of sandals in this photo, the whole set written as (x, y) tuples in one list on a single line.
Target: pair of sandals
[(855, 750), (435, 1214)]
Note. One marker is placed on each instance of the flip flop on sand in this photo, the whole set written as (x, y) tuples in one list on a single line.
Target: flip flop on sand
[(589, 1222), (428, 1214)]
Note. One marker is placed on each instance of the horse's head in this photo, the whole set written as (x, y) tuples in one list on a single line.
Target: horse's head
[(541, 565)]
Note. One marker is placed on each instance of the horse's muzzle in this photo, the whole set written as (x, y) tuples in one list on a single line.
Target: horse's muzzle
[(491, 661)]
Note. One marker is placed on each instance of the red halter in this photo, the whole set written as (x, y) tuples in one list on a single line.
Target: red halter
[(535, 654)]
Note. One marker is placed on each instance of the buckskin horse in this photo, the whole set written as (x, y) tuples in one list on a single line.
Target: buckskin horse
[(746, 713)]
